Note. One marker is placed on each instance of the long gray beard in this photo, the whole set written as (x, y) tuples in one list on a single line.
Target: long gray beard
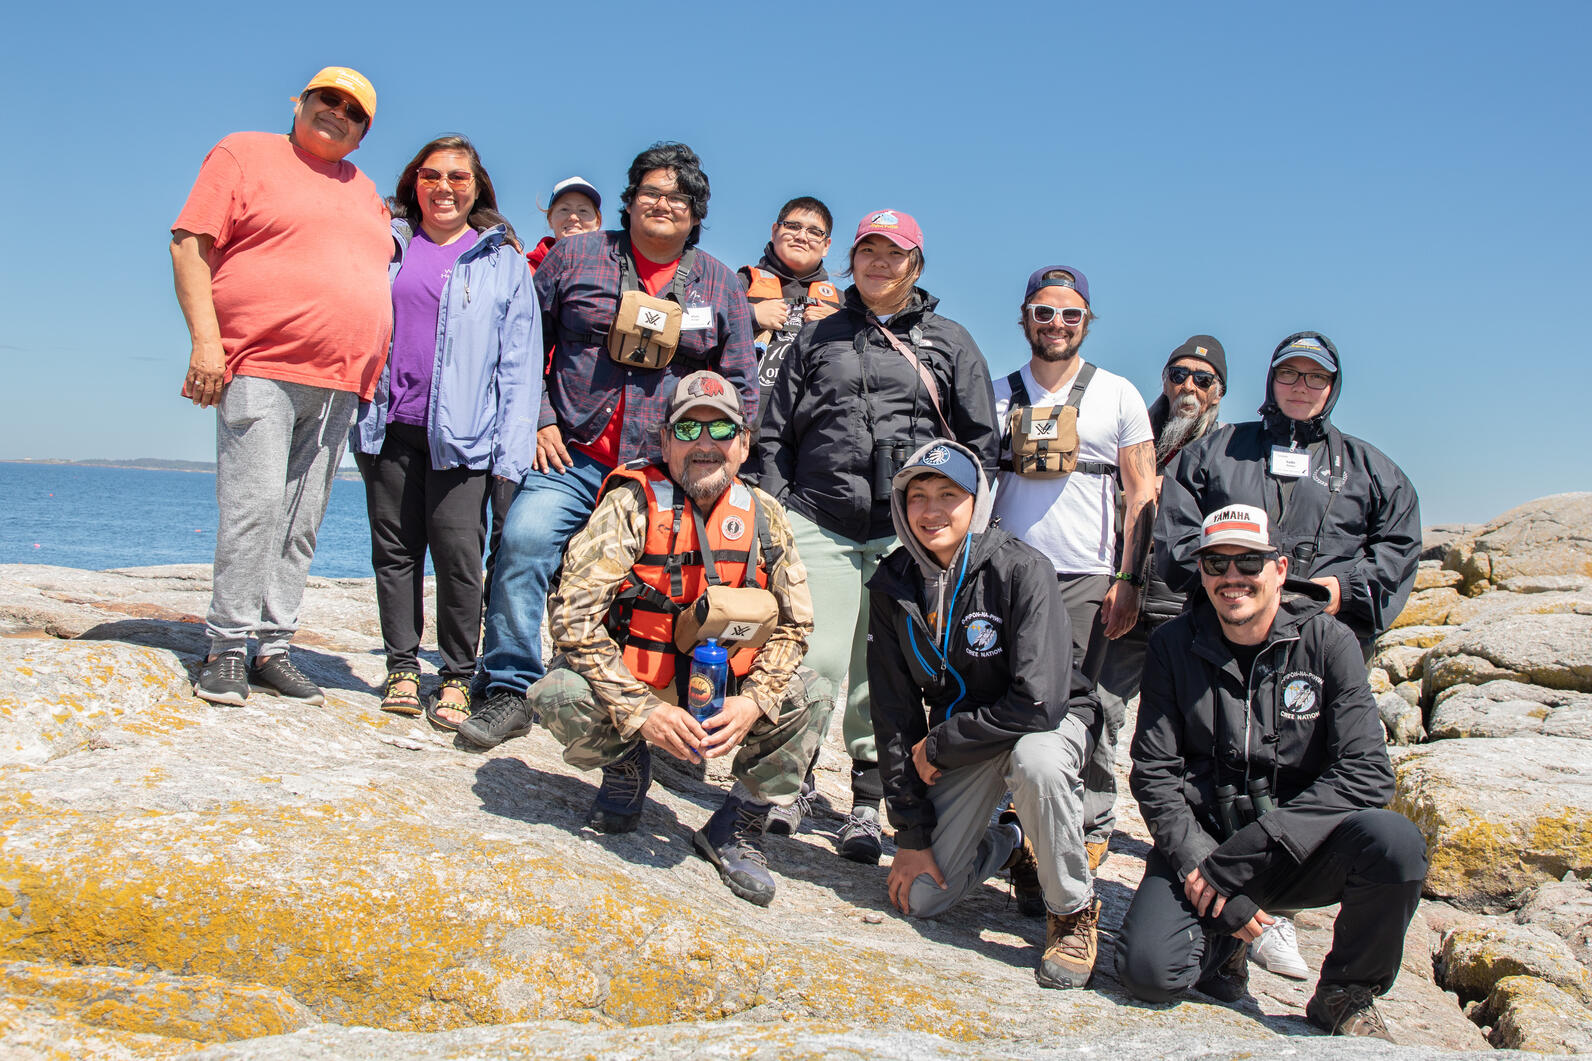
[(1181, 429)]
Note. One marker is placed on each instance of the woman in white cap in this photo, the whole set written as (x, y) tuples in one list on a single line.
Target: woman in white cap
[(456, 405), (857, 393), (573, 207)]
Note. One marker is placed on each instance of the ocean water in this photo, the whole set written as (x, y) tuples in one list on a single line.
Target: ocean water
[(97, 518)]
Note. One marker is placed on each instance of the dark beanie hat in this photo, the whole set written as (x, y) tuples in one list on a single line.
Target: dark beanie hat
[(1205, 348)]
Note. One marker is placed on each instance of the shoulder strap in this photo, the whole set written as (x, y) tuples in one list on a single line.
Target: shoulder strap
[(923, 373), (1086, 373), (1019, 388)]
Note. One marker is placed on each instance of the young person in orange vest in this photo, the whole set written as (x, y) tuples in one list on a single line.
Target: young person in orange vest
[(641, 588), (789, 286)]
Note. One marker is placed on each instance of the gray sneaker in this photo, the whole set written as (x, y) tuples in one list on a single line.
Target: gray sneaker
[(223, 680), (784, 821), (731, 842), (860, 836), (1347, 1009), (276, 674), (503, 716)]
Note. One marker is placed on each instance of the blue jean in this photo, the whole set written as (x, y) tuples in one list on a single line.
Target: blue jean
[(547, 511)]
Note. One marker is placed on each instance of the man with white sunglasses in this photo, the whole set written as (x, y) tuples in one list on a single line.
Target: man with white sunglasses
[(1260, 769), (1067, 508)]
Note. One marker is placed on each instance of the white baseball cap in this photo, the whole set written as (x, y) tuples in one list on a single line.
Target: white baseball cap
[(1243, 525)]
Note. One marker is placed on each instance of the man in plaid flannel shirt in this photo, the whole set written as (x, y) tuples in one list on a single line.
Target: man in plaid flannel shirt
[(598, 414)]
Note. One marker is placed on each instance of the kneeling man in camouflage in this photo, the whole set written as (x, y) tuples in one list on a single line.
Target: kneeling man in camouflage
[(674, 554)]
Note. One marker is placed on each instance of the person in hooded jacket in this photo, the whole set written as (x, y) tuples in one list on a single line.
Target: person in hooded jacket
[(1346, 515), (975, 693), (455, 406), (1261, 772), (856, 394)]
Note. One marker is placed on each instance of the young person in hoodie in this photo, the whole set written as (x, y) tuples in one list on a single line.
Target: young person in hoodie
[(858, 392), (1345, 515), (974, 694), (1259, 767)]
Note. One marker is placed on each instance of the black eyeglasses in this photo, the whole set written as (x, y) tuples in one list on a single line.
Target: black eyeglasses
[(1251, 564), (1177, 374), (796, 228), (718, 430), (334, 99), (648, 196), (1316, 381), (1042, 314)]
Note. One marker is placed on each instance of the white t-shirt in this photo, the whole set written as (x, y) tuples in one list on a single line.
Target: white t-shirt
[(1072, 520)]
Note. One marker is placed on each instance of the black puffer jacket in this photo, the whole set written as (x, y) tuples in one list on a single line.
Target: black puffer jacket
[(1306, 715), (995, 666), (843, 385), (1355, 517)]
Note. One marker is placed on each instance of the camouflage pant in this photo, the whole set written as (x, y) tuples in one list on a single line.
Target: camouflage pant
[(771, 762)]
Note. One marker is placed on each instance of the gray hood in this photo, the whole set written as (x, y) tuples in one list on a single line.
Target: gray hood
[(936, 578)]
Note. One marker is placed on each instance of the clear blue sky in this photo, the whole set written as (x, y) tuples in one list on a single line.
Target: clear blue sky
[(1410, 179)]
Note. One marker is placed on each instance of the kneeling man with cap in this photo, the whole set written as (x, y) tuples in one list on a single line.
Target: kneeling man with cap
[(673, 554), (1260, 769), (975, 693)]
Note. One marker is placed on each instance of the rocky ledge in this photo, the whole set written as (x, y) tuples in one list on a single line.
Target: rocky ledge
[(278, 881)]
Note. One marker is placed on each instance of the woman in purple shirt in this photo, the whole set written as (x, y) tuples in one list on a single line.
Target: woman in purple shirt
[(458, 401)]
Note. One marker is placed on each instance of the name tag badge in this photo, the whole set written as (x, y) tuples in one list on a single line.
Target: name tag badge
[(1289, 463), (696, 318)]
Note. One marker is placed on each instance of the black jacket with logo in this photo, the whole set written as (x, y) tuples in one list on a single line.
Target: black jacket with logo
[(842, 386), (1355, 516), (1001, 668), (1306, 715)]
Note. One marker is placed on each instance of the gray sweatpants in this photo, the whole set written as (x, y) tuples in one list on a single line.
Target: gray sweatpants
[(277, 449), (1044, 772)]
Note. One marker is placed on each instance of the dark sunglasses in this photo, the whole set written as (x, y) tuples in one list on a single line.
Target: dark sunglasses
[(1071, 316), (1179, 373), (1251, 564), (718, 430), (334, 99)]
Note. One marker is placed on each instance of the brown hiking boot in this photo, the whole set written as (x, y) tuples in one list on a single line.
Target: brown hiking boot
[(1072, 942), (1024, 870), (1346, 1009), (1097, 851)]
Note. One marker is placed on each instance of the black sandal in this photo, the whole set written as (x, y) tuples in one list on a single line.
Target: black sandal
[(398, 703), (435, 703)]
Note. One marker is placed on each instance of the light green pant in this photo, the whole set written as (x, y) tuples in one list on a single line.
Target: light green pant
[(837, 569)]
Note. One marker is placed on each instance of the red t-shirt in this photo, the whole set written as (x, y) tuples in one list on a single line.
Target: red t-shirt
[(654, 277), (299, 268)]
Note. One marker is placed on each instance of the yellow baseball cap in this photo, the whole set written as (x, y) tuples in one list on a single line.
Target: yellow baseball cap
[(350, 82)]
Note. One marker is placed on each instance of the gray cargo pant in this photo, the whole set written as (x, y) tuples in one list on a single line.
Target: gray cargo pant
[(1044, 772), (771, 762), (277, 449)]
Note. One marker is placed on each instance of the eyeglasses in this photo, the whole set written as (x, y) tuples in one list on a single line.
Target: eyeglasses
[(796, 228), (1042, 314), (1316, 381), (718, 430), (334, 99), (1178, 374), (430, 178), (1251, 564), (648, 196)]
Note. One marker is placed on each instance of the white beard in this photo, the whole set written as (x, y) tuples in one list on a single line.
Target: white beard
[(1183, 426)]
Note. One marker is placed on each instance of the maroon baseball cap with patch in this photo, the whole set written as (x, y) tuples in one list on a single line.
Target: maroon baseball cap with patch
[(894, 225), (705, 389)]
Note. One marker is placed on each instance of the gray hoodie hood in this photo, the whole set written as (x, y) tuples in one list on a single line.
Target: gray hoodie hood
[(936, 579)]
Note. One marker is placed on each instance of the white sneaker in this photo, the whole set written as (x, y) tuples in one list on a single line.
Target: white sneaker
[(1277, 951)]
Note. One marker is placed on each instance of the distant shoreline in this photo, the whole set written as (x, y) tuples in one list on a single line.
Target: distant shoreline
[(140, 464)]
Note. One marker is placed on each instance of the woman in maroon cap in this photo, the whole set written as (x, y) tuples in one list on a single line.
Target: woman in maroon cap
[(857, 394)]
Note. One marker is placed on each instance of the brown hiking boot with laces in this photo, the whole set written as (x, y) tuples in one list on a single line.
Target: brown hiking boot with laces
[(1023, 867), (1072, 942), (1347, 1009)]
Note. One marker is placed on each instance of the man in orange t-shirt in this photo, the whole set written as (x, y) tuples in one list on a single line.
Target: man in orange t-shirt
[(280, 258)]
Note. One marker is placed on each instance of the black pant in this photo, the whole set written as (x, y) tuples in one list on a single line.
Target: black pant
[(1373, 863), (1083, 595), (413, 506), (501, 493)]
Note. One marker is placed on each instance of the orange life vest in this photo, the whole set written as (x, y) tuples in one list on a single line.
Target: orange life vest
[(765, 285), (670, 574)]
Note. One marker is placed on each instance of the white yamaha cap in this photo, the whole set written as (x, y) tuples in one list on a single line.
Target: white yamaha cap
[(1243, 525)]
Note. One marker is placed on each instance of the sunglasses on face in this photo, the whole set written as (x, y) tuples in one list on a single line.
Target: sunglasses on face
[(1316, 381), (430, 178), (335, 99), (1251, 564), (1178, 374), (1041, 314), (718, 430)]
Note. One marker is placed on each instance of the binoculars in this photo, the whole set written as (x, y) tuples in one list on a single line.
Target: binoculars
[(1234, 811), (888, 457)]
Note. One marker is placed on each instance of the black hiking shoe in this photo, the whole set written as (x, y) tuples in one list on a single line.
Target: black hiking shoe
[(1023, 867), (1347, 1009), (732, 842), (784, 821), (859, 836), (1228, 981), (623, 792), (276, 674), (504, 715), (223, 680)]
